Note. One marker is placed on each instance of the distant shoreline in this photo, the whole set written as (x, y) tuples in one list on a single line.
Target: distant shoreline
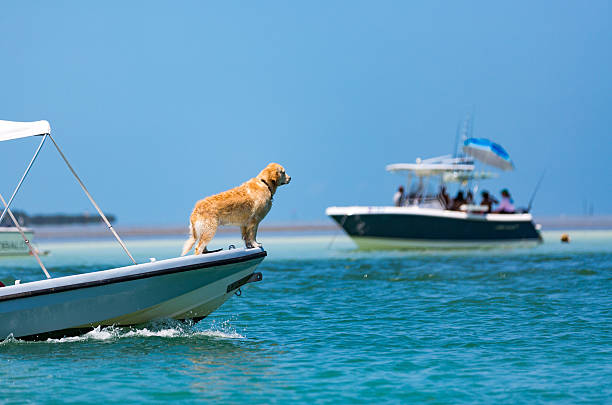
[(100, 231), (575, 222)]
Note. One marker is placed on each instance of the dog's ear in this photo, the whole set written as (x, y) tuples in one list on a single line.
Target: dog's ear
[(279, 174), (274, 176)]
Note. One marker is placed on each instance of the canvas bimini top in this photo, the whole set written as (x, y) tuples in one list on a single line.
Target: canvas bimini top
[(15, 130)]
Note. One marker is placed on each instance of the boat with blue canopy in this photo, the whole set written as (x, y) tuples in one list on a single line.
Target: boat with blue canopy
[(425, 219)]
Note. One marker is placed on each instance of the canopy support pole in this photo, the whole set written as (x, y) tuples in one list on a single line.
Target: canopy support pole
[(108, 224), (25, 239), (23, 177)]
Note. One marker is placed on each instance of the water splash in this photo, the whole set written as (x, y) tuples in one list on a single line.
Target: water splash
[(161, 329)]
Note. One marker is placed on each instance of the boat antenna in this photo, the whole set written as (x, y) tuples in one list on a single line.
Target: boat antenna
[(535, 191), (472, 117), (457, 140), (462, 132)]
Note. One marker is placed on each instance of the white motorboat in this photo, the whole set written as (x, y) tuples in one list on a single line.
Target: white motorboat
[(179, 288), (183, 288), (11, 242)]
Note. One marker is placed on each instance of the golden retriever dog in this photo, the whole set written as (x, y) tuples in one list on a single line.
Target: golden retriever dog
[(244, 206)]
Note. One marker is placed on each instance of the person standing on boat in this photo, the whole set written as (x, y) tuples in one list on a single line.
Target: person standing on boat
[(488, 200), (399, 198), (506, 205)]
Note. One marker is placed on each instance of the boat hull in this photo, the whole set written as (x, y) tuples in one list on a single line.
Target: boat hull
[(413, 227), (182, 288), (12, 243)]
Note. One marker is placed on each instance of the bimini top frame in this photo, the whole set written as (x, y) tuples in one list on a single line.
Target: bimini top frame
[(458, 169), (15, 130), (433, 166)]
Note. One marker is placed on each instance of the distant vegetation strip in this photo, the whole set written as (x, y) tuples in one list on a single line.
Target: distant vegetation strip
[(55, 219)]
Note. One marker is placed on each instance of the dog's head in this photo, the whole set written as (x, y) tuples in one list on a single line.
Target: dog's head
[(274, 175)]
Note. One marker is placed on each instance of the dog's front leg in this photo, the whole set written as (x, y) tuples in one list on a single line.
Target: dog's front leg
[(255, 243), (249, 233)]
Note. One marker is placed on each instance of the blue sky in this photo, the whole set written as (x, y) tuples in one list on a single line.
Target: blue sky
[(158, 104)]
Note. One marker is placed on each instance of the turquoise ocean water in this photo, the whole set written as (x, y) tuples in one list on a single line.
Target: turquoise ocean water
[(523, 325)]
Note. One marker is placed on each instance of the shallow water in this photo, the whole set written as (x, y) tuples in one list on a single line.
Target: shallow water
[(337, 324)]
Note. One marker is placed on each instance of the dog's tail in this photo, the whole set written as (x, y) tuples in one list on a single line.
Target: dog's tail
[(190, 242)]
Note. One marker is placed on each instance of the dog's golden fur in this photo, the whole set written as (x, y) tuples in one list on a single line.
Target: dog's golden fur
[(244, 206)]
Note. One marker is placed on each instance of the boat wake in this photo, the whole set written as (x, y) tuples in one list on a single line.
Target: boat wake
[(165, 329)]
